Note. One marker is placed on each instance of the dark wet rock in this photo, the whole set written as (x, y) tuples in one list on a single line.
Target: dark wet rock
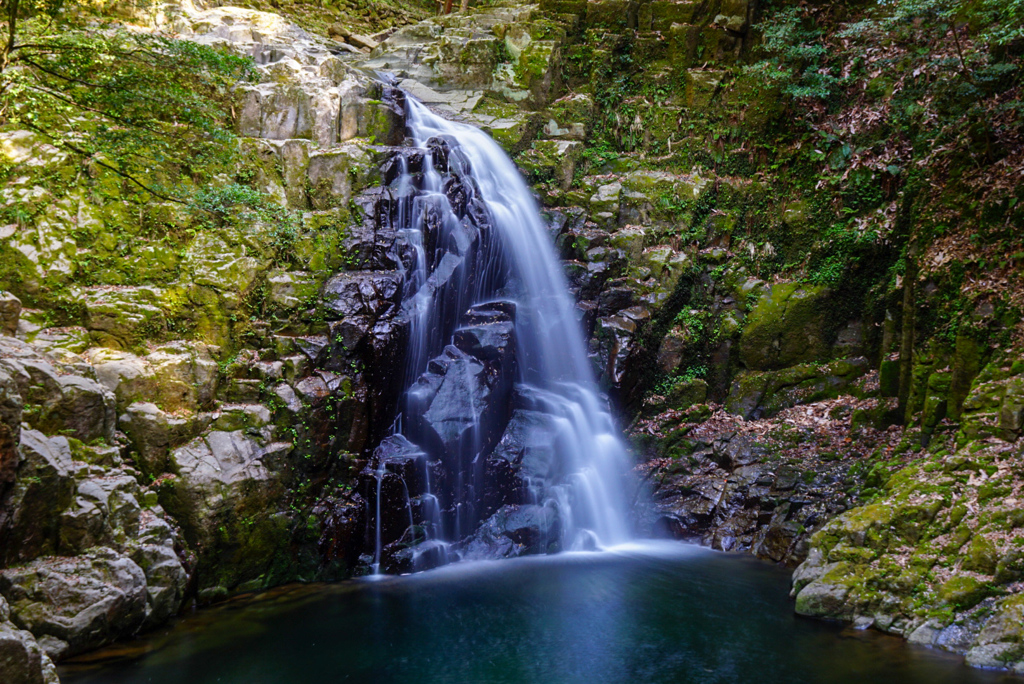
[(514, 531), (342, 530), (365, 293), (615, 299), (530, 446), (10, 430), (732, 451), (732, 490), (492, 342), (395, 474), (459, 408)]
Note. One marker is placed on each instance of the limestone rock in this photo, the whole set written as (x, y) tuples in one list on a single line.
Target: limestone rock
[(21, 659), (81, 603), (30, 518)]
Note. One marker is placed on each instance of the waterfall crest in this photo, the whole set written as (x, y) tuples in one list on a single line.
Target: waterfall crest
[(503, 445)]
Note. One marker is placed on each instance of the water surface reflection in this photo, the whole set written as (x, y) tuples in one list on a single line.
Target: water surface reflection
[(642, 614)]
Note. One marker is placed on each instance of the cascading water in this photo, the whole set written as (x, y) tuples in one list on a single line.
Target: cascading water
[(503, 444)]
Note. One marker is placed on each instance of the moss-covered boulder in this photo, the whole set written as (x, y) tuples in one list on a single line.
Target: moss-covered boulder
[(994, 407), (926, 556), (551, 160), (788, 325)]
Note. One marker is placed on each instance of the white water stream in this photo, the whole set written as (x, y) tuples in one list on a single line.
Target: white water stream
[(589, 492)]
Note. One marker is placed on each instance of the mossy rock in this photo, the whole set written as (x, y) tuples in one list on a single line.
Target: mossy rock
[(767, 393), (995, 405), (963, 591), (789, 325), (551, 160), (982, 556)]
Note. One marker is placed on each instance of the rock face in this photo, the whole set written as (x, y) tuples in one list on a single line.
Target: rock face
[(187, 428), (456, 412), (206, 412), (758, 486)]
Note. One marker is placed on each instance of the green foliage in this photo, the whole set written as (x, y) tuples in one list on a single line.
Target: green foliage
[(673, 382), (796, 56), (240, 205), (129, 101)]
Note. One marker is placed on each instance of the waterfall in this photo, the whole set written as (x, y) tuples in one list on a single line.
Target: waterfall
[(505, 445)]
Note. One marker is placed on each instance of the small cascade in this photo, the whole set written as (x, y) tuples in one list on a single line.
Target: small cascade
[(503, 444)]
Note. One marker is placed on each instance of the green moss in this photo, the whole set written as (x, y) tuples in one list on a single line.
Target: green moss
[(963, 592)]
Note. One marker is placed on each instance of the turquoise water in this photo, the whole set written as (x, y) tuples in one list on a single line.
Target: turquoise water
[(652, 613)]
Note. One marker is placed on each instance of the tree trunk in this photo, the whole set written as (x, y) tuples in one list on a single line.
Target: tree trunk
[(12, 32), (907, 330), (464, 6), (905, 228)]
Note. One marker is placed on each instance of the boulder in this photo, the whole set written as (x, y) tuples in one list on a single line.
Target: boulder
[(227, 492), (45, 486), (105, 511), (995, 405), (364, 294), (213, 473), (61, 402), (10, 312), (77, 604), (460, 406), (21, 659), (764, 394), (514, 531)]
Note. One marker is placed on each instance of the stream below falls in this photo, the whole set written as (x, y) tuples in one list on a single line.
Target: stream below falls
[(639, 613)]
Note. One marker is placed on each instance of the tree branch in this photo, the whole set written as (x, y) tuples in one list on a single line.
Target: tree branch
[(89, 155), (960, 54)]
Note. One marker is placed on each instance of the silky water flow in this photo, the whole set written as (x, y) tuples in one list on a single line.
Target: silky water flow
[(503, 444)]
